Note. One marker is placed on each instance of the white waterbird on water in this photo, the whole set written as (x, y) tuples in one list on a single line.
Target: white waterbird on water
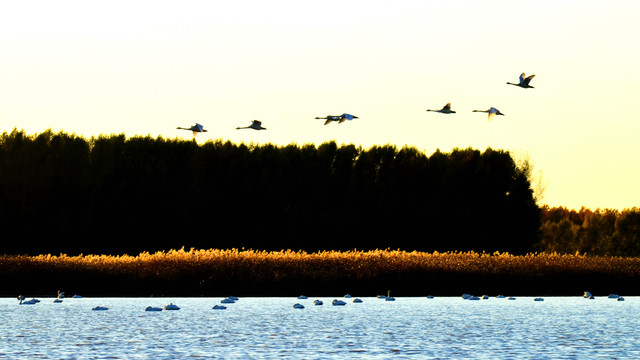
[(445, 110), (524, 81), (197, 128), (389, 297), (255, 125), (27, 302), (491, 111), (171, 306)]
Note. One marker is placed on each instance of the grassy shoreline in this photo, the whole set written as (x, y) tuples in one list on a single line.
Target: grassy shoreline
[(215, 272)]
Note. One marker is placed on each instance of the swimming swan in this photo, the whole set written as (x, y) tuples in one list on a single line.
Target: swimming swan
[(389, 297), (27, 302), (171, 306)]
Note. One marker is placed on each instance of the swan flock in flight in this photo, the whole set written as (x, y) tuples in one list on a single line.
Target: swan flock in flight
[(524, 82)]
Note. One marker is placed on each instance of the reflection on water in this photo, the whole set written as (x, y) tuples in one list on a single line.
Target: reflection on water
[(420, 328)]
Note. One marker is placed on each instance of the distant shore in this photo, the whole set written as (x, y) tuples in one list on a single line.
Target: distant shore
[(215, 273)]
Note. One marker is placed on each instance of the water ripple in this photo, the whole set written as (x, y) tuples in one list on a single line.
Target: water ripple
[(269, 328)]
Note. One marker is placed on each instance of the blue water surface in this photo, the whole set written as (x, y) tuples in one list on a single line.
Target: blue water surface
[(270, 328)]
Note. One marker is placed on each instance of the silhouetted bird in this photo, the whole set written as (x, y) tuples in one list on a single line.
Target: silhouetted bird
[(492, 112), (445, 110), (339, 118), (524, 81), (255, 124), (195, 128)]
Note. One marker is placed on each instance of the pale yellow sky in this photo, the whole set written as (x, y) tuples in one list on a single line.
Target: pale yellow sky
[(146, 67)]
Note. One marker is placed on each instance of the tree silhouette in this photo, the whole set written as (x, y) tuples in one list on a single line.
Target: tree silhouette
[(114, 195)]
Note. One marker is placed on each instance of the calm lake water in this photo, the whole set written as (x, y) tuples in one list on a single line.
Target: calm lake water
[(270, 328)]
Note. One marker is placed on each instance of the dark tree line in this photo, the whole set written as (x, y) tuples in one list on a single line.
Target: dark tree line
[(601, 232), (113, 195)]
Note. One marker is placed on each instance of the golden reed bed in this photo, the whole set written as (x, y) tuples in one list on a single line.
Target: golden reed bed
[(254, 272)]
